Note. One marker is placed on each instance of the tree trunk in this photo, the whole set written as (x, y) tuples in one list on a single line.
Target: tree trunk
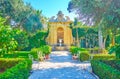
[(104, 42), (77, 39), (113, 40), (100, 37)]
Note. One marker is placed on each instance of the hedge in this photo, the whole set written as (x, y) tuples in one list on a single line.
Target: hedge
[(17, 54), (114, 63), (103, 57), (8, 63), (19, 71), (104, 71), (84, 56)]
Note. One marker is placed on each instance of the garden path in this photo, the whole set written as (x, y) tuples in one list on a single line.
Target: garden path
[(61, 66)]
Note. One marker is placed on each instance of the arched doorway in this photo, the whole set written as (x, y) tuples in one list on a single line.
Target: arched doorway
[(60, 35)]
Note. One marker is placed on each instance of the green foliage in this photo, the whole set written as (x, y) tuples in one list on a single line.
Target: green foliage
[(41, 51), (86, 35), (104, 71), (115, 49), (37, 40), (87, 9), (81, 32), (19, 71), (114, 63), (22, 54), (75, 21), (84, 56), (46, 49), (34, 52), (101, 13), (33, 22), (7, 42), (75, 50), (22, 39), (7, 63), (23, 14), (118, 39), (107, 43), (103, 57), (17, 54)]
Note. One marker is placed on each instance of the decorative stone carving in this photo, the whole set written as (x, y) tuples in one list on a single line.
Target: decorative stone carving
[(60, 18), (67, 18)]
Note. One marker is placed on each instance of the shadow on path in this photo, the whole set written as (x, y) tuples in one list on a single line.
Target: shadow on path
[(61, 66)]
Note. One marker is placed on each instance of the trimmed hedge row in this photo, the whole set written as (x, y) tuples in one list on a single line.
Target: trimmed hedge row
[(114, 63), (17, 54), (103, 57), (19, 71), (104, 71), (7, 63), (84, 56)]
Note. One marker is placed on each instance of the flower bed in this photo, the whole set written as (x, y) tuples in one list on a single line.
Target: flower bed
[(105, 71), (15, 68)]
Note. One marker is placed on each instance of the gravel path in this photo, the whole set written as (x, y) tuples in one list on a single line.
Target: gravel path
[(61, 66)]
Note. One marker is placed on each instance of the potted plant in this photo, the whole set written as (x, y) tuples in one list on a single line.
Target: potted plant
[(46, 51), (74, 51), (40, 56)]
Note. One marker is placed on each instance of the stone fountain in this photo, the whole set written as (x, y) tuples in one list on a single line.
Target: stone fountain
[(60, 42)]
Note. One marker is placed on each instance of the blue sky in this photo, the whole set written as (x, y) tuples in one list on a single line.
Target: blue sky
[(51, 7)]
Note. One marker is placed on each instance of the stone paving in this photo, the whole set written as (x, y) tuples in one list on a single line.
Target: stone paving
[(61, 66)]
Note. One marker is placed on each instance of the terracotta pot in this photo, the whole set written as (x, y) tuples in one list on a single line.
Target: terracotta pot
[(74, 57), (47, 57)]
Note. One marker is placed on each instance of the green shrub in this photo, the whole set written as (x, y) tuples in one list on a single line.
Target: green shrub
[(7, 63), (34, 52), (36, 40), (46, 49), (84, 56), (19, 71), (9, 56), (115, 49), (17, 54), (82, 49), (43, 50), (114, 63), (22, 54), (75, 50), (104, 71), (103, 57)]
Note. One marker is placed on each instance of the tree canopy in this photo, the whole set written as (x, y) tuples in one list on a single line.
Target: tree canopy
[(21, 15), (106, 12)]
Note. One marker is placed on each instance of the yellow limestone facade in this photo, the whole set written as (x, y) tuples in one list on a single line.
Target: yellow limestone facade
[(59, 30)]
